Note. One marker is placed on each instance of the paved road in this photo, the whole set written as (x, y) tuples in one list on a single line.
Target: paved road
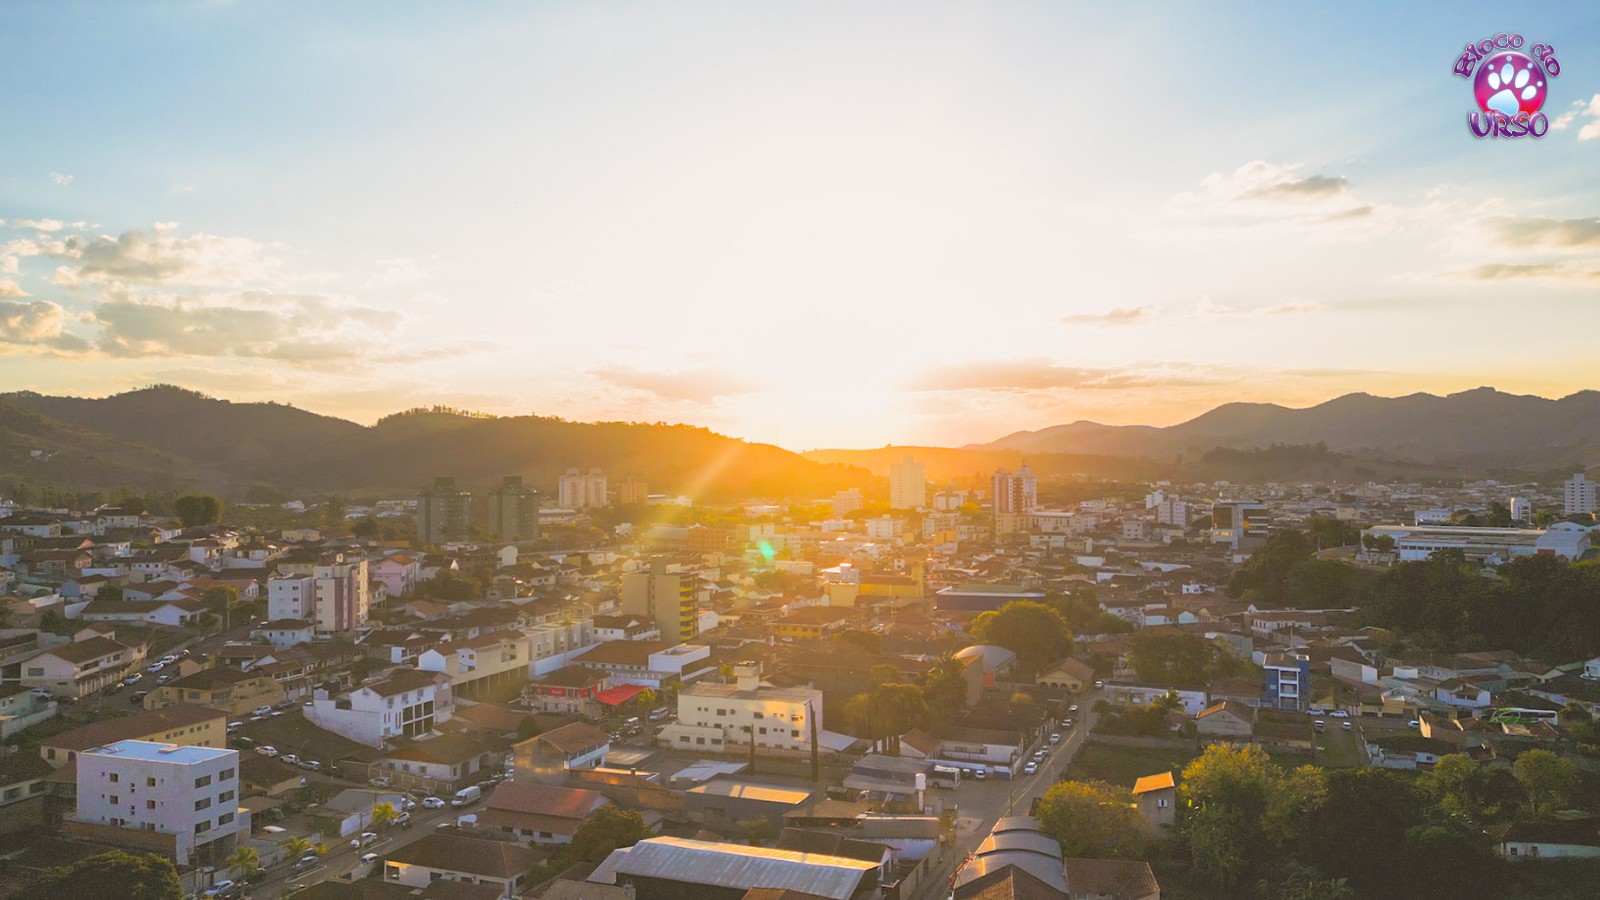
[(985, 802), (341, 858)]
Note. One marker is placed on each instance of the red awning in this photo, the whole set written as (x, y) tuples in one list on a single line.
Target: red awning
[(620, 694)]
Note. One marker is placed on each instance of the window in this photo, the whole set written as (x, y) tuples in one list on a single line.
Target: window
[(795, 733), (149, 782), (203, 803), (149, 804), (760, 715), (202, 827), (1161, 803), (202, 781), (114, 777), (114, 799), (225, 775), (763, 729), (225, 796), (225, 818)]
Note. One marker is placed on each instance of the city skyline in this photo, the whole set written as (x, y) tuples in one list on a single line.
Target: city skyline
[(835, 226)]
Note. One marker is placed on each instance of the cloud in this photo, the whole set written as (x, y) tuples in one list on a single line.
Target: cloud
[(1544, 232), (1524, 271), (1041, 375), (10, 289), (45, 225), (1124, 316), (39, 323), (161, 256), (297, 328), (692, 385), (1286, 186), (1589, 109), (1263, 184), (1206, 309), (60, 179)]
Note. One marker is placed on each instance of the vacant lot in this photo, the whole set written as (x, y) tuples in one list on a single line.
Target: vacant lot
[(1124, 765)]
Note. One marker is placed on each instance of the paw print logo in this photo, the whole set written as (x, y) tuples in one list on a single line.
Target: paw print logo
[(1510, 83)]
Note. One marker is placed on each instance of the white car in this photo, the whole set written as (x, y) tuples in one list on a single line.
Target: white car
[(433, 803), (156, 666), (369, 857), (268, 750), (1339, 714), (218, 888), (366, 837), (1030, 768), (235, 726), (1055, 738), (291, 759), (262, 711)]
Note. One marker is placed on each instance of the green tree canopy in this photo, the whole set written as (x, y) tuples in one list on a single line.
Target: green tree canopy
[(1244, 809), (1092, 819), (127, 876), (197, 509), (1548, 779), (610, 828), (1033, 631), (1180, 660)]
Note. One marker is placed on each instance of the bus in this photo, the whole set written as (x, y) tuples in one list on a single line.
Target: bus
[(945, 776), (1516, 715)]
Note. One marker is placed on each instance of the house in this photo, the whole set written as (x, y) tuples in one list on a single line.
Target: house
[(477, 665), (1156, 796), (442, 763), (1407, 751), (449, 857), (541, 813), (664, 868), (1462, 694), (398, 703), (80, 668), (229, 690), (266, 775), (723, 717), (626, 628), (552, 755), (1226, 719), (1110, 879), (399, 573), (1133, 694), (283, 633), (184, 724), (996, 661), (22, 792), (1071, 675), (172, 613), (813, 623), (571, 689), (1532, 841)]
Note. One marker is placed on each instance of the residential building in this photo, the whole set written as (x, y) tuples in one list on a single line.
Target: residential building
[(1241, 524), (1129, 693), (80, 668), (724, 718), (1288, 681), (559, 751), (571, 689), (441, 764), (908, 484), (1156, 797), (646, 663), (399, 703), (171, 613), (1534, 841), (398, 572), (583, 490), (514, 510), (813, 623), (1071, 675), (20, 708), (281, 633), (1014, 498), (333, 593), (1579, 495), (444, 513), (1228, 720), (229, 690), (1172, 511), (490, 661), (632, 492), (1521, 509), (541, 813), (185, 724), (450, 857), (670, 599), (188, 792)]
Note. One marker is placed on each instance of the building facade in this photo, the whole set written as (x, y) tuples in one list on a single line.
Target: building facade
[(908, 485), (191, 793), (444, 513), (514, 510), (667, 598)]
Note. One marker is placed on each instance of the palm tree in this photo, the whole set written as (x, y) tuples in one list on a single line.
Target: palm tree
[(243, 861), (384, 814), (297, 846)]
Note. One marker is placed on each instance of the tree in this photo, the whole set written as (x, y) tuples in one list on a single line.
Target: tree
[(1548, 779), (1182, 660), (610, 828), (221, 600), (1266, 572), (384, 814), (197, 509), (129, 876), (1033, 631), (869, 642), (243, 860), (883, 673), (297, 846), (366, 528), (944, 688), (109, 592), (1301, 882), (1463, 791), (1091, 819), (1244, 807), (899, 708), (1358, 832)]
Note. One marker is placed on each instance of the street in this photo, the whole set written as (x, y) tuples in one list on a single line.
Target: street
[(982, 803), (282, 878)]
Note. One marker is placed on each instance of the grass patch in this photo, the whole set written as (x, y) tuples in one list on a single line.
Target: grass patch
[(1125, 765)]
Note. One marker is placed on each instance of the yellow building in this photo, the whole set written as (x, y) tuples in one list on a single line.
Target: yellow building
[(229, 690), (813, 623), (186, 724)]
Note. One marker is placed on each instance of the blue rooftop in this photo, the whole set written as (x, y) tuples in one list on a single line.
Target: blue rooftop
[(177, 754)]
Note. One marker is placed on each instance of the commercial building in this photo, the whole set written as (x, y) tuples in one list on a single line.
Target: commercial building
[(1579, 495), (477, 665), (514, 510), (190, 793), (670, 599), (1014, 498), (1488, 546), (908, 485), (726, 718), (982, 597), (667, 868), (1241, 524), (444, 513)]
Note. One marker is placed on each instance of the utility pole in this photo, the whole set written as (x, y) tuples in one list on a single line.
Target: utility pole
[(816, 764)]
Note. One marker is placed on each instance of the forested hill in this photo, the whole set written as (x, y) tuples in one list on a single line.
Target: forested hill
[(167, 438)]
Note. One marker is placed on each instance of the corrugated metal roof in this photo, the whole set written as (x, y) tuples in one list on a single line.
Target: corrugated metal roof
[(1043, 868), (1031, 841), (744, 790), (739, 866)]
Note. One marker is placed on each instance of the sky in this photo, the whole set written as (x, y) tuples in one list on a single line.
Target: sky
[(820, 224)]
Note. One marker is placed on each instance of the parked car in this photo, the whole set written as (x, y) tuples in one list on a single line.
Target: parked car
[(137, 696), (291, 759), (310, 765), (307, 861), (219, 888), (380, 781), (980, 774), (369, 858), (261, 711), (163, 679), (469, 794), (1030, 768), (1098, 684), (1345, 725), (243, 741), (1073, 708), (433, 803), (133, 679), (1413, 724), (156, 666), (403, 820), (364, 839), (1321, 725), (1055, 738), (1339, 714), (268, 750)]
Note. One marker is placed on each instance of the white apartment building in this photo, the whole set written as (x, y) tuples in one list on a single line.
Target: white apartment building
[(332, 594), (847, 501), (401, 703), (908, 485), (478, 664), (80, 668), (553, 644), (582, 490), (727, 717), (191, 793), (1172, 511), (1579, 495)]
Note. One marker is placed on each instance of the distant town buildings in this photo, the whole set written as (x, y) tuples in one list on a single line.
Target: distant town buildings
[(908, 485), (1014, 499), (633, 492), (667, 598), (583, 490), (1241, 524), (1579, 496), (444, 513), (847, 501)]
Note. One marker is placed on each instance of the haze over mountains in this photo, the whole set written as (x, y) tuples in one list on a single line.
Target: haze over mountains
[(166, 438)]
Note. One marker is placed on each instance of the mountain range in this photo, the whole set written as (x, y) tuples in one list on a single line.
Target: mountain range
[(168, 438)]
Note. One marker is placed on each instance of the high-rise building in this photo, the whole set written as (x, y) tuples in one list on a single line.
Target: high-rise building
[(583, 490), (667, 598), (1241, 524), (190, 793), (908, 485), (632, 492), (1172, 511), (1013, 500), (1521, 509), (847, 502), (444, 513), (333, 593), (1579, 495), (514, 510)]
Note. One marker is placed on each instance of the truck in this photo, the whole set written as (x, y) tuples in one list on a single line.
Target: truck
[(466, 795)]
